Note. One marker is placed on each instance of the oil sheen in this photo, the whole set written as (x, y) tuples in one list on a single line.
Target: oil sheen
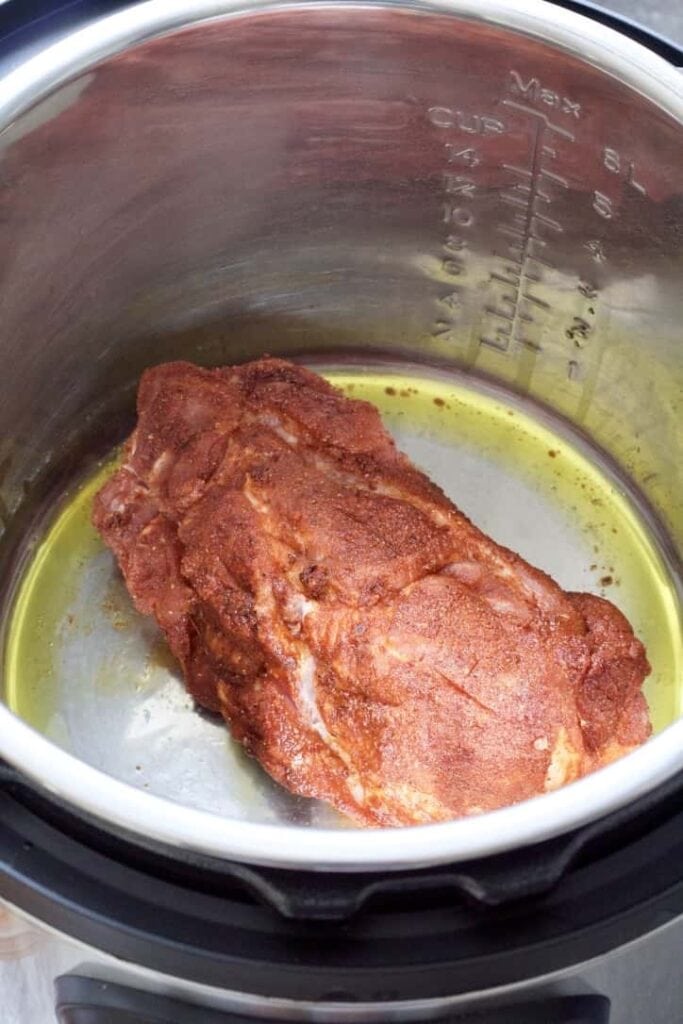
[(77, 654)]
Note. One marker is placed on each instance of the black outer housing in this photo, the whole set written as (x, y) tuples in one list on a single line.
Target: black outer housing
[(85, 1001), (195, 919), (411, 935)]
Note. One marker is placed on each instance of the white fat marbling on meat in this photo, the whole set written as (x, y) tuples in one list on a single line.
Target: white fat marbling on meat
[(274, 424), (307, 696), (256, 503), (301, 606), (308, 703), (160, 466)]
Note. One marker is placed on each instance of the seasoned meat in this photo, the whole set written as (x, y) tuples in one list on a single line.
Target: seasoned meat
[(363, 640)]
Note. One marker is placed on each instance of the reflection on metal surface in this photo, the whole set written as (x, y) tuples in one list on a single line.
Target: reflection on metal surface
[(489, 188)]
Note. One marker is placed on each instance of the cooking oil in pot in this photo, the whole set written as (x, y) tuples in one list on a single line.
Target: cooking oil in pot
[(85, 669)]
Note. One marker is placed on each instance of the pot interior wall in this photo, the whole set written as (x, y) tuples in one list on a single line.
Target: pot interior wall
[(366, 184)]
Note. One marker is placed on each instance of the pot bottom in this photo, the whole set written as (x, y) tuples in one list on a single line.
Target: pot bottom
[(97, 679)]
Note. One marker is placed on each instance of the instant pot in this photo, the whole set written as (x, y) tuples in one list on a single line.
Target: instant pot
[(493, 190)]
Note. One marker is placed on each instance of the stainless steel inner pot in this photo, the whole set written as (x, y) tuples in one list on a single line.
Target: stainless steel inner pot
[(490, 189)]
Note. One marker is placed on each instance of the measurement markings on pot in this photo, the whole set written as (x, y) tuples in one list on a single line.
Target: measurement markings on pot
[(516, 309), (521, 289), (516, 312), (464, 153)]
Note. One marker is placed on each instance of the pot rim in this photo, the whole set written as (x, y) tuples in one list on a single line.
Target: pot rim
[(119, 804)]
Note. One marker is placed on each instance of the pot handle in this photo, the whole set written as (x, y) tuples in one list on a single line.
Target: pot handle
[(81, 1000), (488, 883)]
